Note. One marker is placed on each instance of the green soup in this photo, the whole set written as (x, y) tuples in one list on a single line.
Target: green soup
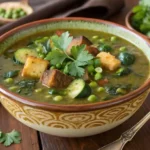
[(102, 83)]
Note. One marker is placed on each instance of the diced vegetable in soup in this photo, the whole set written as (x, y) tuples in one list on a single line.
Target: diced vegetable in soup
[(73, 67)]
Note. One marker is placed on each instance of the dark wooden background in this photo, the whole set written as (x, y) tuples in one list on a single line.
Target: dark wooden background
[(33, 140)]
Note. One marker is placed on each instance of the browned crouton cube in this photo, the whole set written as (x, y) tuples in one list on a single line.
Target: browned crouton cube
[(92, 50), (78, 41), (109, 61), (55, 78), (34, 67)]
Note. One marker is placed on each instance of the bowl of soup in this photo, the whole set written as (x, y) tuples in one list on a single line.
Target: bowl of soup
[(73, 77)]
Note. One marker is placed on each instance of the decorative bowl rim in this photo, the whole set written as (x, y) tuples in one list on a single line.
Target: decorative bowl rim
[(73, 107)]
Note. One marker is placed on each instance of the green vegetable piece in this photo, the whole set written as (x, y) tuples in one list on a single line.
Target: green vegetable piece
[(102, 40), (98, 76), (126, 58), (39, 90), (98, 70), (57, 98), (100, 89), (113, 39), (26, 86), (90, 68), (111, 90), (39, 49), (15, 16), (66, 69), (122, 49), (79, 89), (48, 96), (9, 138), (137, 8), (22, 13), (14, 88), (104, 48), (90, 62), (9, 80), (52, 92), (92, 98), (121, 91), (97, 62), (52, 67), (11, 74), (2, 10), (95, 37), (22, 54), (123, 71), (58, 65), (93, 84)]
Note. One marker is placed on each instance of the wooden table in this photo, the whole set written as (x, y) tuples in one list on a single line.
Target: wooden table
[(33, 140)]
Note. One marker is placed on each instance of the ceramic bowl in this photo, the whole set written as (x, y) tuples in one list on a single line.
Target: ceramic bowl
[(10, 5), (128, 24), (73, 120)]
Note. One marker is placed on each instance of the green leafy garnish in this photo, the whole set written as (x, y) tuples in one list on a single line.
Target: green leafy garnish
[(11, 74), (62, 42), (78, 59), (26, 87), (9, 138), (56, 56), (81, 58)]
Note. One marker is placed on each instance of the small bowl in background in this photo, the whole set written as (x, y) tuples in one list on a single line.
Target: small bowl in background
[(13, 5), (128, 24)]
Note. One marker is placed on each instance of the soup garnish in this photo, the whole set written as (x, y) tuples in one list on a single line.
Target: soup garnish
[(70, 68)]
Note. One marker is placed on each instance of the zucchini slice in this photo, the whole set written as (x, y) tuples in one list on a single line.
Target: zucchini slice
[(79, 89), (21, 54)]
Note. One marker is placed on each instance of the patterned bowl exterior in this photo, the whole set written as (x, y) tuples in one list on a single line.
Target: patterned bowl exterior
[(77, 124)]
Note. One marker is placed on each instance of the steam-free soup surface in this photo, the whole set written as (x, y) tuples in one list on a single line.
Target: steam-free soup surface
[(103, 83)]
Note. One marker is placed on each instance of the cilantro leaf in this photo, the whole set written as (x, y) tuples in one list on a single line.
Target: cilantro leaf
[(75, 70), (8, 138), (62, 42), (56, 56), (81, 55)]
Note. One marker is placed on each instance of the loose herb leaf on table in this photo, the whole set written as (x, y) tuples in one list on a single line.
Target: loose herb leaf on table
[(9, 138)]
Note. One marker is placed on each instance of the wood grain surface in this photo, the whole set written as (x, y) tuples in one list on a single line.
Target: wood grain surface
[(30, 140), (29, 136)]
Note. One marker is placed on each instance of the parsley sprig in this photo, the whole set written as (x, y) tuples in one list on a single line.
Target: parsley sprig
[(9, 138), (79, 56)]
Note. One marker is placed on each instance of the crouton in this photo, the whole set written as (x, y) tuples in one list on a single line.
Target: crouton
[(56, 79), (34, 67), (78, 41), (92, 50), (109, 61)]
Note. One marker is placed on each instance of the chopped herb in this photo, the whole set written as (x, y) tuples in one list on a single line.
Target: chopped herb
[(63, 41), (11, 74), (9, 138), (80, 57), (26, 87)]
